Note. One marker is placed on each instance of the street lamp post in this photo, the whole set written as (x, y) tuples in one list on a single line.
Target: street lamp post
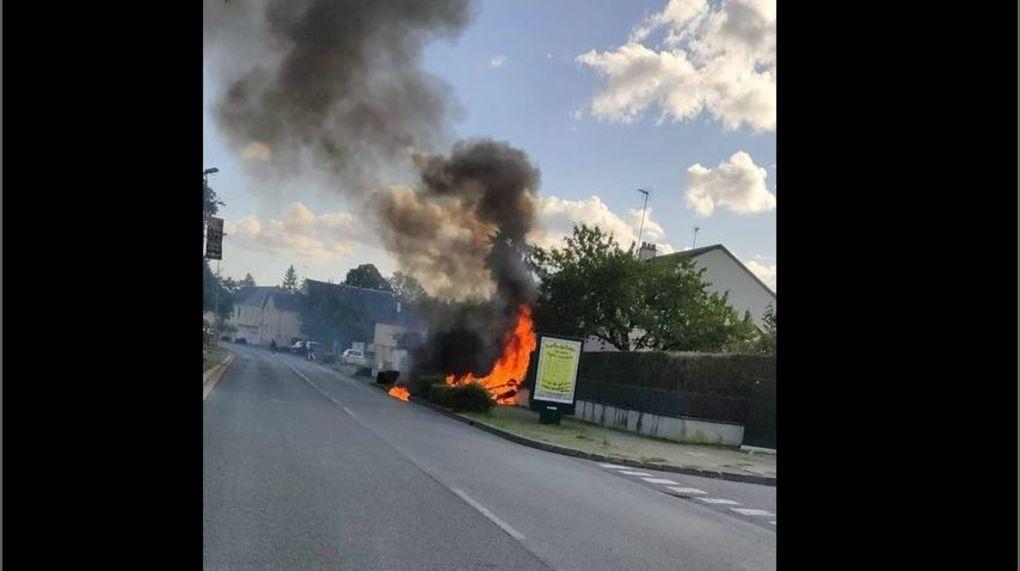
[(216, 296), (641, 229)]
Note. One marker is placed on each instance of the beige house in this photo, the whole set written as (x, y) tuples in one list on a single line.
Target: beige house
[(266, 314)]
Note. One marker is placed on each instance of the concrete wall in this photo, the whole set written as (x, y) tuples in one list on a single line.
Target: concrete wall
[(688, 430), (387, 356), (726, 274)]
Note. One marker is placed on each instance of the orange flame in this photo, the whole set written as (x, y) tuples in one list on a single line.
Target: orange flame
[(508, 372), (399, 392)]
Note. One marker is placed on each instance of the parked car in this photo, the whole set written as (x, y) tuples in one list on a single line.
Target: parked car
[(240, 340), (298, 348), (354, 357)]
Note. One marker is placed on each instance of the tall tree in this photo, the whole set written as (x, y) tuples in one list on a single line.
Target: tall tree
[(406, 288), (290, 280), (592, 286), (367, 276), (214, 295), (248, 281), (211, 202)]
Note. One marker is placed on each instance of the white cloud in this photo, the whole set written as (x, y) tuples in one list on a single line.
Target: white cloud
[(301, 234), (557, 216), (719, 58), (765, 272), (737, 184), (498, 61)]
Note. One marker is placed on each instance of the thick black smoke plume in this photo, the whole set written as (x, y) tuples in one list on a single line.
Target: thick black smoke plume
[(336, 82), (464, 228), (338, 85)]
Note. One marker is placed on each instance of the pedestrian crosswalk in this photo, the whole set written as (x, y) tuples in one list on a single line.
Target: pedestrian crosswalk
[(676, 489)]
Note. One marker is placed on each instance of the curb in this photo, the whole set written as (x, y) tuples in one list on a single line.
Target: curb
[(689, 470), (213, 375)]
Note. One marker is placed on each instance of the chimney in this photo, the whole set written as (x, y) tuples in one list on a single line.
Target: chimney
[(647, 251)]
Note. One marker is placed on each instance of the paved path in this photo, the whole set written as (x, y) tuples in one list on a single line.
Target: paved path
[(306, 468)]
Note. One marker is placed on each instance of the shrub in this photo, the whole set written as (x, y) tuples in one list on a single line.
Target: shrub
[(471, 397), (387, 377), (419, 385)]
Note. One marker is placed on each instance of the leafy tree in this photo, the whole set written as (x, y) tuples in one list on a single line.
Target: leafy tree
[(682, 315), (209, 294), (230, 285), (212, 203), (290, 280), (406, 288), (367, 276), (592, 286), (329, 318), (248, 281), (589, 287)]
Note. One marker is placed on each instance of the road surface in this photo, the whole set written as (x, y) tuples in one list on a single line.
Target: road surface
[(308, 468)]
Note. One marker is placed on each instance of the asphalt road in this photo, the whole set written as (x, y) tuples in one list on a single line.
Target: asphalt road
[(307, 468)]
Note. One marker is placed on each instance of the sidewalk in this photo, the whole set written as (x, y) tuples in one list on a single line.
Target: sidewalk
[(598, 442)]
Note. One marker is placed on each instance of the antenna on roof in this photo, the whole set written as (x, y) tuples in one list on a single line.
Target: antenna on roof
[(696, 228)]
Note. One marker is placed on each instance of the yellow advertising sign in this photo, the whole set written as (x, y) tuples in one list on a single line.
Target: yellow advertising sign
[(556, 376)]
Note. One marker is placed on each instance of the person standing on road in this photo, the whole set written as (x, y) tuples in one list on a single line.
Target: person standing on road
[(272, 345)]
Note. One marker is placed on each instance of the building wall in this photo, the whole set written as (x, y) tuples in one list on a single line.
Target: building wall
[(387, 356), (724, 274), (277, 325)]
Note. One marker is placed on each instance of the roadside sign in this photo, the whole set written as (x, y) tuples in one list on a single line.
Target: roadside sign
[(214, 238), (555, 377)]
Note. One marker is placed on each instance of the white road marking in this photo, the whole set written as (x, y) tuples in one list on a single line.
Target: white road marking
[(614, 466), (425, 469), (686, 490), (719, 501), (749, 511), (636, 473), (324, 393), (659, 481), (485, 512)]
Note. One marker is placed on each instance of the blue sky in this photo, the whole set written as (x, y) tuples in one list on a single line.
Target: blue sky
[(537, 99)]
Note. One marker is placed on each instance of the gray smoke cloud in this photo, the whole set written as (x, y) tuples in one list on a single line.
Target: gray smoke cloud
[(332, 84), (338, 86)]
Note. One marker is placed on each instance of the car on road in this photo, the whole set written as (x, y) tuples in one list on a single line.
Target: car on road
[(240, 340), (298, 348), (354, 357)]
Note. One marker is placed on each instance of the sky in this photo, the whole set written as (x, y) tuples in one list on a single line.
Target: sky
[(605, 97)]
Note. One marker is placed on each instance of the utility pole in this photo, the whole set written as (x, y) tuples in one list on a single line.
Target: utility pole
[(695, 242), (216, 297), (641, 229)]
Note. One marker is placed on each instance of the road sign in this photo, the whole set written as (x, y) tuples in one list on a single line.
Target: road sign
[(555, 377), (214, 238)]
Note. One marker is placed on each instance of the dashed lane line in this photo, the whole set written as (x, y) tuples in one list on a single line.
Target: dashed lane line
[(753, 512), (720, 501), (686, 491)]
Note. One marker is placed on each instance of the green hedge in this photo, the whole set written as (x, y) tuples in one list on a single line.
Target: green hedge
[(727, 375), (471, 397)]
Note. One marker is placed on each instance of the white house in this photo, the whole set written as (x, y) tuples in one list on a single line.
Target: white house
[(724, 273)]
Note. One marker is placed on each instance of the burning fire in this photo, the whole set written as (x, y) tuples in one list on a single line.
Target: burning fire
[(399, 392), (508, 372)]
